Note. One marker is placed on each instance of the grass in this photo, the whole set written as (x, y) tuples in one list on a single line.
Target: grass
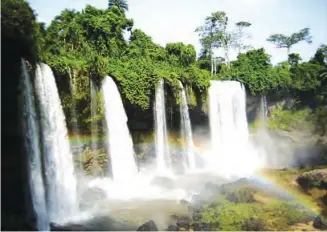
[(286, 178), (245, 206), (276, 214)]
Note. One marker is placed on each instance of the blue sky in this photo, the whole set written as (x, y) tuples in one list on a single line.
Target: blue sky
[(176, 20)]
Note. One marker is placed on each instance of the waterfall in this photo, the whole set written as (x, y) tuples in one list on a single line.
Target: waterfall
[(263, 109), (32, 146), (186, 129), (57, 157), (162, 148), (228, 124), (121, 151)]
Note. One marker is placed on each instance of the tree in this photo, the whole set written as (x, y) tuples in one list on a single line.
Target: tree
[(185, 55), (214, 34), (20, 30), (320, 56), (283, 41), (121, 4), (252, 68), (241, 35), (294, 59)]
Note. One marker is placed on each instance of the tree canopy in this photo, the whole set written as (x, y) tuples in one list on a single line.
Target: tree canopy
[(283, 41), (120, 4), (86, 45)]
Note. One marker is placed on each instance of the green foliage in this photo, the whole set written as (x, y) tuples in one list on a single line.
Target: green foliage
[(290, 120), (320, 56), (255, 71), (90, 44), (181, 54), (305, 76), (283, 41), (294, 59), (274, 215), (20, 32), (120, 4), (213, 33)]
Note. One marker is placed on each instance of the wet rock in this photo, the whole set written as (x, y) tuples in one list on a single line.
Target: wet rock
[(313, 179), (196, 215), (184, 202), (148, 226), (172, 228), (183, 222), (254, 224), (201, 227), (70, 227), (320, 223)]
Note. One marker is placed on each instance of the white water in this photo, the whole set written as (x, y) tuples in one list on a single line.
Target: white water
[(186, 128), (59, 170), (263, 109), (121, 151), (231, 153), (32, 146), (162, 148)]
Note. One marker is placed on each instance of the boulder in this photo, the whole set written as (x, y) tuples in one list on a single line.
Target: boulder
[(148, 226), (172, 228), (320, 223), (313, 179), (69, 227), (183, 222), (254, 224), (201, 227)]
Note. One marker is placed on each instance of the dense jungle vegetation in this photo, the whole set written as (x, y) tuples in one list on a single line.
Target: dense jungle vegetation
[(93, 43)]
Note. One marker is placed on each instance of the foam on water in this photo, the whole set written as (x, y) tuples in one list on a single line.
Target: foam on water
[(231, 153)]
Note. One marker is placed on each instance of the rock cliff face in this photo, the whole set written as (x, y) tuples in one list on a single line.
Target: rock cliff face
[(14, 195)]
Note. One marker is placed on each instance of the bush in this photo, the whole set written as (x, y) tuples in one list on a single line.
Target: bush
[(289, 120)]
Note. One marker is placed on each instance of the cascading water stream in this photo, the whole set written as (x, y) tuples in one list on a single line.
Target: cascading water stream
[(162, 149), (121, 150), (186, 128), (32, 146), (57, 157), (263, 110), (229, 128)]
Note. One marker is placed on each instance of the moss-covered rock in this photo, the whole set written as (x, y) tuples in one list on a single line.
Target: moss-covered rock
[(313, 179)]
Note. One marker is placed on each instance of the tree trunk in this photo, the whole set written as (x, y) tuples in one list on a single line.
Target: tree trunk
[(211, 57), (226, 55)]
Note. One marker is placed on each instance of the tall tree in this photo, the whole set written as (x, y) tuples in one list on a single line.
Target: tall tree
[(241, 35), (283, 41), (214, 34), (121, 4)]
